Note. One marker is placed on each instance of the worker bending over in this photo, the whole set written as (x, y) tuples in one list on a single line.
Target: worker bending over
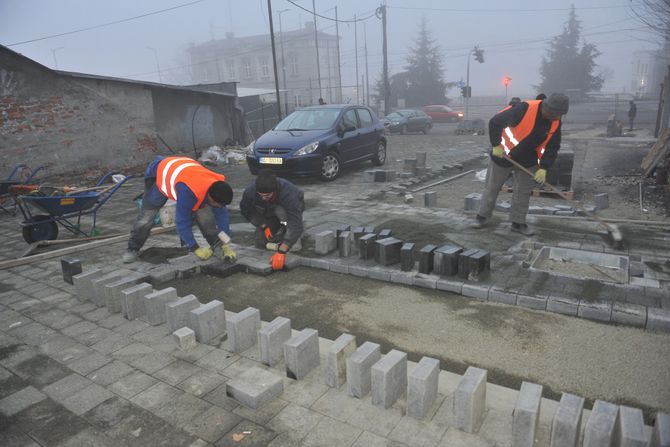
[(197, 191), (274, 206), (530, 133)]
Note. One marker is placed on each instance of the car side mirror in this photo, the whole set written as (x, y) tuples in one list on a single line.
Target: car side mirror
[(349, 128)]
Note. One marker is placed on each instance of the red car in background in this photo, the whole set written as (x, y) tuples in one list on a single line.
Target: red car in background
[(443, 114)]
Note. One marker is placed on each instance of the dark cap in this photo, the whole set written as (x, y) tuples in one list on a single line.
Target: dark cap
[(557, 103), (266, 181), (221, 192)]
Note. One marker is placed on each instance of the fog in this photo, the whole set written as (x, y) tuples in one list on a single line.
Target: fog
[(514, 35)]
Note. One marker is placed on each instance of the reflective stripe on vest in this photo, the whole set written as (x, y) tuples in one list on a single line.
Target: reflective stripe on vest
[(511, 136), (172, 170)]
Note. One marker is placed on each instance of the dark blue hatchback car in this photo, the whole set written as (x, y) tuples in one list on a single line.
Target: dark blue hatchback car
[(318, 141)]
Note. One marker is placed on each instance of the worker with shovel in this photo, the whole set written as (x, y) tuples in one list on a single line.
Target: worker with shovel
[(274, 206), (198, 192), (529, 133)]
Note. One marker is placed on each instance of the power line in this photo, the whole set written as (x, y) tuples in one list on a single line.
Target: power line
[(417, 8), (105, 24), (330, 18)]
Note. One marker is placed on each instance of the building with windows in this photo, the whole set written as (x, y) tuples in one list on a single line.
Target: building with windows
[(248, 61), (648, 70)]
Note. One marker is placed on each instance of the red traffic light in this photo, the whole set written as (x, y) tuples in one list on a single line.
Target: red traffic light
[(506, 80)]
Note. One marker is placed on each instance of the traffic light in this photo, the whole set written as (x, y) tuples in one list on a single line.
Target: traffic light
[(479, 55), (466, 92)]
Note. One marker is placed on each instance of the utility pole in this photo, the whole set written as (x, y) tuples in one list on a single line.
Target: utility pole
[(274, 59), (53, 51), (283, 60), (479, 55), (367, 77), (158, 67), (356, 56), (316, 41), (339, 63), (381, 11)]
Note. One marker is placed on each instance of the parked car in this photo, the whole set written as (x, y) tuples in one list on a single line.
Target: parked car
[(407, 120), (319, 140), (443, 114)]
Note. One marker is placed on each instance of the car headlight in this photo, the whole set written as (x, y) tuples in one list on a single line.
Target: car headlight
[(461, 115), (308, 149), (395, 123), (249, 150)]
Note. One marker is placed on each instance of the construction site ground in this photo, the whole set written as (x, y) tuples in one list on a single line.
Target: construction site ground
[(617, 363)]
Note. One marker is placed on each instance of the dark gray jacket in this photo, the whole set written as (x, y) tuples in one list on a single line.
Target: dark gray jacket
[(289, 197)]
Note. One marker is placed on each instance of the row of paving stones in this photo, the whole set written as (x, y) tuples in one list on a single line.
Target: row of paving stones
[(469, 395)]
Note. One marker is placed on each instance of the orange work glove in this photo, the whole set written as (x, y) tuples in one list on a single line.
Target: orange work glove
[(277, 261), (268, 233)]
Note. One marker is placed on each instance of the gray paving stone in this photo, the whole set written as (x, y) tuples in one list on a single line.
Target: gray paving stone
[(178, 312), (658, 319), (387, 251), (243, 329), (83, 286), (422, 387), (344, 243), (425, 280), (20, 400), (366, 246), (185, 338), (525, 418), (70, 267), (89, 363), (176, 372), (566, 424), (660, 435), (329, 432), (426, 258), (112, 291), (324, 242), (450, 285), (155, 302), (201, 383), (405, 278), (257, 435), (337, 404), (182, 410), (217, 360), (132, 384), (469, 402), (630, 431), (599, 430), (213, 424), (110, 373), (87, 398), (480, 292), (255, 387), (335, 369), (629, 314), (359, 364), (208, 321), (156, 395), (301, 353), (563, 305), (412, 432), (502, 296), (296, 421), (595, 310), (98, 284), (375, 419), (132, 300), (389, 378), (67, 386), (531, 302), (271, 339)]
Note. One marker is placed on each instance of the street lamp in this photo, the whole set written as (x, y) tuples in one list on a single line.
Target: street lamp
[(53, 51), (283, 60), (158, 67)]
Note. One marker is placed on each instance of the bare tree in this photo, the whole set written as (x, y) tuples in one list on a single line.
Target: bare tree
[(654, 14)]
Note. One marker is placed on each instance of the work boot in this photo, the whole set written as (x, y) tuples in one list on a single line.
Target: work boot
[(522, 228), (480, 222), (297, 246), (130, 256)]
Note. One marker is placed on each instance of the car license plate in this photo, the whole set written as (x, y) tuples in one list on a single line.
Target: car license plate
[(271, 160)]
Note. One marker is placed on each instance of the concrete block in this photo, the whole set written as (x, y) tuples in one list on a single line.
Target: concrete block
[(82, 284), (600, 428), (502, 296), (599, 310), (380, 175), (464, 262), (389, 378), (222, 269), (271, 339), (407, 257), (629, 314), (369, 229), (112, 291), (366, 246), (380, 274), (630, 428), (445, 260), (450, 285), (132, 300), (359, 379), (98, 285), (535, 210), (243, 329), (480, 292), (70, 267), (472, 201), (255, 387), (178, 311), (563, 305), (384, 233), (185, 338), (162, 275), (426, 257), (601, 201), (410, 165), (154, 305), (208, 321), (338, 231), (422, 387), (503, 207), (301, 354), (359, 270), (420, 159), (425, 281), (531, 302), (405, 278), (526, 415), (324, 242), (344, 242), (387, 251), (566, 424), (479, 264), (660, 435), (335, 370), (658, 319), (469, 402), (430, 199), (356, 233), (369, 176)]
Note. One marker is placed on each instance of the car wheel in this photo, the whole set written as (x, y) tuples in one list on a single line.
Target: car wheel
[(403, 129), (379, 158), (330, 167), (426, 129)]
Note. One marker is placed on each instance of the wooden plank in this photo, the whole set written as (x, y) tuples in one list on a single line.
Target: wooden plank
[(657, 153)]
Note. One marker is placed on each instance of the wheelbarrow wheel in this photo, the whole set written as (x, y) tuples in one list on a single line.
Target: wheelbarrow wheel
[(39, 230)]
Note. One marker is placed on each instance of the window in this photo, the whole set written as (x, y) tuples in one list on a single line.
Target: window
[(231, 71), (297, 99), (365, 117), (293, 64), (349, 118), (265, 69), (246, 63)]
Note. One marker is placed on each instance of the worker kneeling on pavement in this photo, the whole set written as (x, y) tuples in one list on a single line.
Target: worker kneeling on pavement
[(198, 192), (274, 206), (529, 133)]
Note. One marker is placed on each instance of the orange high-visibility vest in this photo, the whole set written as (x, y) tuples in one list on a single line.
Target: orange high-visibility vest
[(511, 136), (172, 170)]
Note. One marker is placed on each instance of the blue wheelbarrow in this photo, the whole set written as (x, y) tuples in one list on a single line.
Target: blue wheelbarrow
[(65, 210), (7, 199)]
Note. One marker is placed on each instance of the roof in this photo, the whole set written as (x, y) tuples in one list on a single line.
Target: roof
[(261, 40), (243, 92)]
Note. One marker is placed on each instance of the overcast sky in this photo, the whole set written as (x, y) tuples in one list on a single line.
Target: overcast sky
[(512, 34)]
